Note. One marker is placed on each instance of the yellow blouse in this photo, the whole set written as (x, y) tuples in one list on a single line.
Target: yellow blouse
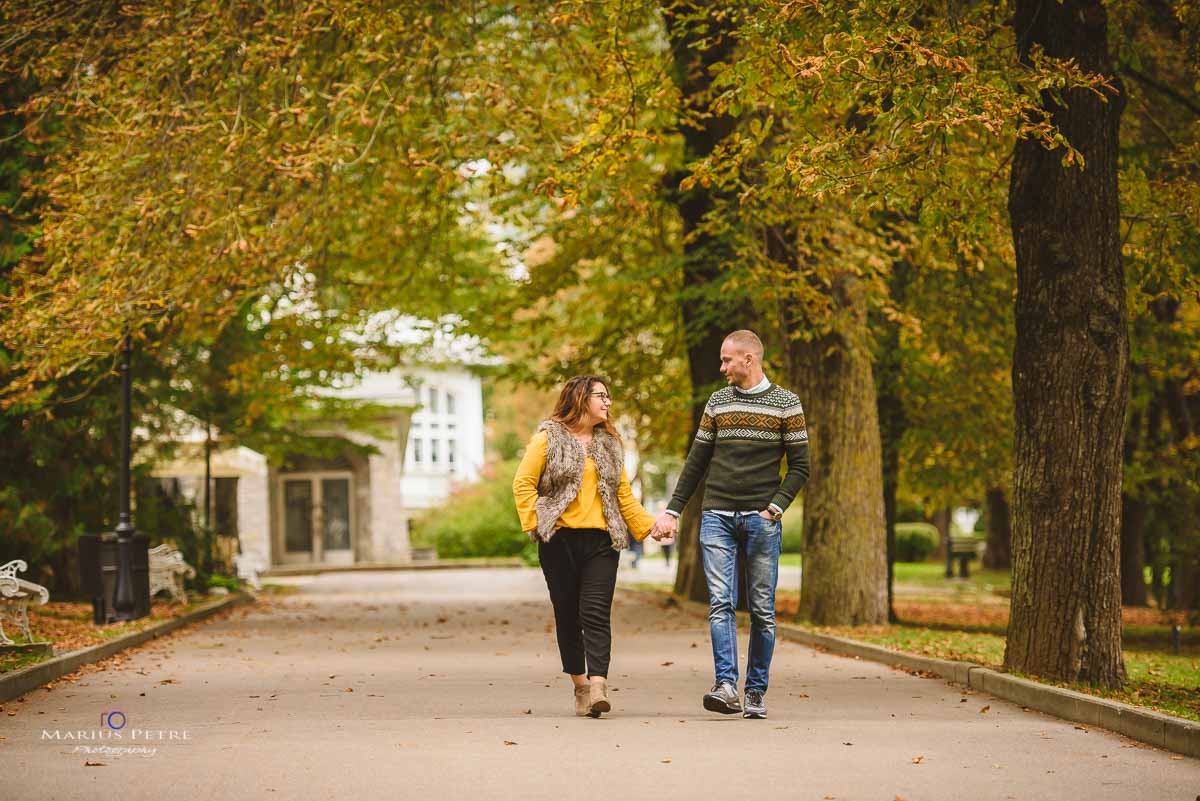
[(583, 512)]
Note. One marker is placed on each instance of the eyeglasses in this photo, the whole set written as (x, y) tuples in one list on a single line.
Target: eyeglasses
[(604, 396)]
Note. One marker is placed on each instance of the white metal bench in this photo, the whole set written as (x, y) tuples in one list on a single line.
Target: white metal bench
[(167, 572), (249, 564), (15, 595)]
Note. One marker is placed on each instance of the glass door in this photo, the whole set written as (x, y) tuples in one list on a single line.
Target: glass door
[(335, 520), (316, 511), (297, 519)]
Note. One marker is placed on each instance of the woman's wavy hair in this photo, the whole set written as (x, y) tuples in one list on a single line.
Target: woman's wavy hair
[(572, 402)]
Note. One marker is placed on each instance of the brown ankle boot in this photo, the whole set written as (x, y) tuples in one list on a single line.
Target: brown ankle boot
[(599, 698), (583, 700)]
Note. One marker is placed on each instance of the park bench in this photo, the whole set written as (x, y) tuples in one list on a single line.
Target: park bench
[(15, 595), (963, 550), (167, 572), (248, 565)]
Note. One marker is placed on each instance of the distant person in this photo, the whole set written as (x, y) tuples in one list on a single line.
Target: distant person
[(747, 430), (574, 501), (639, 550), (667, 546)]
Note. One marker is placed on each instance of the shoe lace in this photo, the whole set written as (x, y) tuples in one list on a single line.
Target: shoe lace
[(754, 697)]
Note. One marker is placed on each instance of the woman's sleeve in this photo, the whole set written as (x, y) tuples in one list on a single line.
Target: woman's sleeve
[(525, 482), (636, 517)]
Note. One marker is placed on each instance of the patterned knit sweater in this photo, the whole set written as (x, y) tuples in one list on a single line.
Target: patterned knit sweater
[(743, 437)]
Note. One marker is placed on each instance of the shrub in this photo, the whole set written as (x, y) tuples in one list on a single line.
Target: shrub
[(915, 541), (479, 520)]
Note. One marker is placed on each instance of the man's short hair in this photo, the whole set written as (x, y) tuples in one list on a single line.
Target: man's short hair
[(748, 341)]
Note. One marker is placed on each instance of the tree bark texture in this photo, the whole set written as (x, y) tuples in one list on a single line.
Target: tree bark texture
[(845, 548), (1070, 368)]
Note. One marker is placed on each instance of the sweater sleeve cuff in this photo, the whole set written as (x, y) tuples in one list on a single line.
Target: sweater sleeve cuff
[(671, 512)]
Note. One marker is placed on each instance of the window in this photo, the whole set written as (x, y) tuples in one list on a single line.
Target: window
[(433, 400), (433, 451), (449, 403), (451, 452), (416, 450), (225, 511)]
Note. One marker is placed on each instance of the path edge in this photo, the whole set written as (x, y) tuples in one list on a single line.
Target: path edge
[(1144, 725), (18, 683)]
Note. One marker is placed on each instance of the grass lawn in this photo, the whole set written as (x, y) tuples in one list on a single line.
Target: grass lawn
[(1158, 680)]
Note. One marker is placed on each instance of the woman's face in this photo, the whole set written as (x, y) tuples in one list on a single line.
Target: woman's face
[(598, 402)]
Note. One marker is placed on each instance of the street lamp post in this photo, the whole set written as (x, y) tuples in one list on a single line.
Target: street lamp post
[(124, 605), (115, 565)]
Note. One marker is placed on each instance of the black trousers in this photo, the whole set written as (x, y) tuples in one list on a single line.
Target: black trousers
[(580, 567)]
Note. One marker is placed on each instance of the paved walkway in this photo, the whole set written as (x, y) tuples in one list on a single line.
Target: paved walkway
[(444, 685)]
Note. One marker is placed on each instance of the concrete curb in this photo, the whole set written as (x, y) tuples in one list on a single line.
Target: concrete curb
[(1154, 728), (13, 685), (280, 571)]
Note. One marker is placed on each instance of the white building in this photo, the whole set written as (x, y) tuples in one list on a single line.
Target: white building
[(345, 507)]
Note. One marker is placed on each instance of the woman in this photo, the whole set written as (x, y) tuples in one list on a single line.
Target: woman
[(575, 502)]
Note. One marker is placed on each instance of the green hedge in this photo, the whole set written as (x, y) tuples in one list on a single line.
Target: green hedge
[(479, 520), (793, 528), (915, 541)]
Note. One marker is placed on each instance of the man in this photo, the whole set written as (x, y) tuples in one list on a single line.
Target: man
[(747, 429)]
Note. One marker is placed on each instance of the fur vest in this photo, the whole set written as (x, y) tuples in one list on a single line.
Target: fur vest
[(559, 484)]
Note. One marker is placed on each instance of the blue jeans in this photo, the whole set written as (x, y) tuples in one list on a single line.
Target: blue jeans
[(720, 538)]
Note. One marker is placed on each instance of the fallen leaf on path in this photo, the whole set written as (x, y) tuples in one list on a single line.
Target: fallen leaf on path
[(510, 742), (1082, 728), (95, 765), (348, 690), (667, 664), (985, 709), (667, 761), (917, 760), (847, 743)]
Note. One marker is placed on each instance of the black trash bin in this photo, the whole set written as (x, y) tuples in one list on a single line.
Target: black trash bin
[(98, 559)]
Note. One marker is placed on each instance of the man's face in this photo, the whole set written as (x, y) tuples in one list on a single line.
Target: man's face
[(735, 364)]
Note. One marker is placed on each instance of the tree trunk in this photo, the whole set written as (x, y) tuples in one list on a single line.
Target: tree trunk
[(1070, 368), (892, 420), (845, 547), (710, 310), (941, 521), (689, 571), (998, 555)]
